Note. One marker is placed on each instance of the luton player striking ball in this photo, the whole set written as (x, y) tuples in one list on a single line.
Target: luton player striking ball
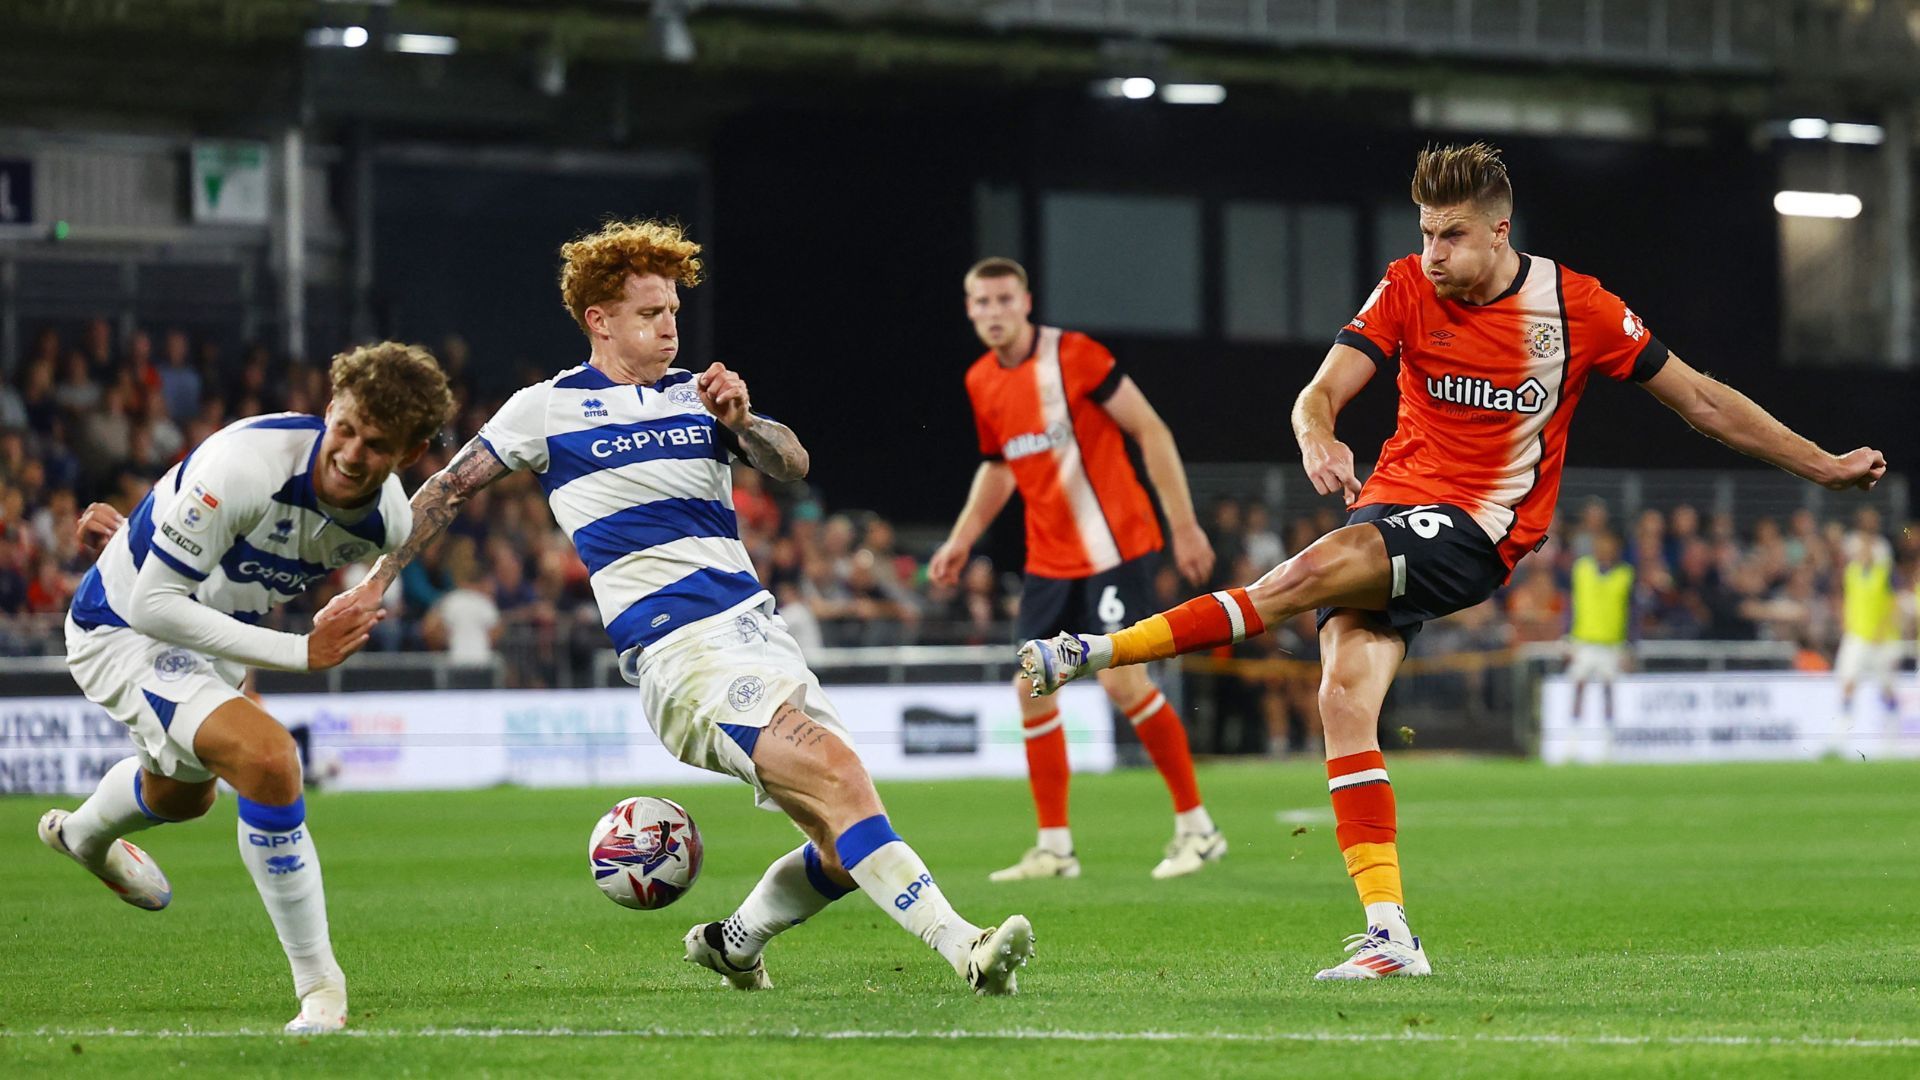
[(645, 852)]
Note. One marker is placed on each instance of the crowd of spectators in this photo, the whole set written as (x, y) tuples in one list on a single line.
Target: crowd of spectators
[(95, 418)]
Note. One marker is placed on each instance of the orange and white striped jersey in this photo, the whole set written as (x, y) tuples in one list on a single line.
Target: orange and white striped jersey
[(1087, 511), (1487, 391)]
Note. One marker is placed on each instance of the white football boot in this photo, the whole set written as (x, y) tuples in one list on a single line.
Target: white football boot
[(1055, 662), (1376, 955), (707, 946), (322, 1012), (1039, 863), (130, 872), (1187, 852), (998, 955)]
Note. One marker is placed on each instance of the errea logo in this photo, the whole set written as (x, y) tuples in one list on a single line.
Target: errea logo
[(593, 406), (1526, 398)]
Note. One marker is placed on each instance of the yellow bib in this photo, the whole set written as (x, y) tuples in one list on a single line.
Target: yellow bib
[(1868, 610), (1602, 602)]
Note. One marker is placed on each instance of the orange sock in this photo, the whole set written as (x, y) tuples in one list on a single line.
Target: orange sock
[(1047, 770), (1165, 738), (1222, 618), (1365, 823)]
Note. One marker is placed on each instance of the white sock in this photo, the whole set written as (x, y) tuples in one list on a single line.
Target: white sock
[(277, 847), (892, 875), (1392, 918), (1059, 841), (1194, 822), (794, 889), (117, 807)]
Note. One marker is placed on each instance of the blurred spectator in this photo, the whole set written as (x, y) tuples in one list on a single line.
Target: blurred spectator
[(1263, 548), (180, 384), (77, 392), (465, 623)]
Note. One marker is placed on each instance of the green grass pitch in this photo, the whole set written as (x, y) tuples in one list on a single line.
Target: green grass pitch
[(1682, 921)]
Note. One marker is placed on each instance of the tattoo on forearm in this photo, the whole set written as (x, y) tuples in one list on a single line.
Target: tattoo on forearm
[(774, 449), (438, 501)]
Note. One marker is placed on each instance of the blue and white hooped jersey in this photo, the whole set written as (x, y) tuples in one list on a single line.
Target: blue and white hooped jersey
[(239, 515), (638, 476)]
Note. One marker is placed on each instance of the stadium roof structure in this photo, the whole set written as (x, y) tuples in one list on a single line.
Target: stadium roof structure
[(522, 64)]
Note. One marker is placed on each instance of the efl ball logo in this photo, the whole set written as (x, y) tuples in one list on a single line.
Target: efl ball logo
[(645, 852)]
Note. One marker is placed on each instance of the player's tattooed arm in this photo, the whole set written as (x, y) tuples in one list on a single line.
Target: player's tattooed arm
[(437, 503), (773, 448)]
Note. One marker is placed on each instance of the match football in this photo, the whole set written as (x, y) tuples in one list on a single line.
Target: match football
[(1039, 538)]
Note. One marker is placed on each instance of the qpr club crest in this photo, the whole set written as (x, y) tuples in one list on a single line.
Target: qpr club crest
[(685, 396), (347, 553), (1543, 340), (174, 665), (744, 691)]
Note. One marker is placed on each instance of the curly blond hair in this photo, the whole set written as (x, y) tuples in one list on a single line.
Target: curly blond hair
[(399, 388), (594, 267)]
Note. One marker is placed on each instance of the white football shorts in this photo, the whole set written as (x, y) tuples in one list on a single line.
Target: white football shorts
[(1596, 663), (1860, 659), (162, 692), (709, 693)]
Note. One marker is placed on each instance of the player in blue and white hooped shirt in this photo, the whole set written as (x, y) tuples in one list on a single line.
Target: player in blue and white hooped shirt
[(633, 455), (163, 628)]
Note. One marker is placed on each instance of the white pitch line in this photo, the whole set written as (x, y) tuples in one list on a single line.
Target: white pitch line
[(1768, 1041)]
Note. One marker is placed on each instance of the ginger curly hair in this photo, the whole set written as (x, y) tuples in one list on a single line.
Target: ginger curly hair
[(594, 268), (400, 388)]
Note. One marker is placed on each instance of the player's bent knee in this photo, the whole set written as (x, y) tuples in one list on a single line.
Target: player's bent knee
[(274, 772), (1343, 696)]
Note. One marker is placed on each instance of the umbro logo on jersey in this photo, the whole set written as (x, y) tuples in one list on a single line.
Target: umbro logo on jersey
[(593, 407), (1441, 339), (1528, 397)]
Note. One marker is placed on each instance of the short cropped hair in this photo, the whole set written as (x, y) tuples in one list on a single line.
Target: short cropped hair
[(399, 388), (995, 267), (594, 267), (1452, 175)]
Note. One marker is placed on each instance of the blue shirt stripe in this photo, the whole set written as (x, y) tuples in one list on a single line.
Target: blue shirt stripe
[(245, 564), (692, 598), (637, 528), (183, 568), (90, 607), (574, 454), (587, 378), (140, 531)]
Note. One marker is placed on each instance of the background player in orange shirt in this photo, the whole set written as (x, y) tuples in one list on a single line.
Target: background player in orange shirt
[(1494, 349), (1051, 407)]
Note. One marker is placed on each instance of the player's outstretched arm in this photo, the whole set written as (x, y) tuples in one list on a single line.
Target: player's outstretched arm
[(434, 507), (1719, 411), (163, 608), (993, 485), (1327, 460), (1192, 551)]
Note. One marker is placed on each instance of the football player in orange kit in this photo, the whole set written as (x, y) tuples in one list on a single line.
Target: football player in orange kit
[(1053, 411), (1494, 348)]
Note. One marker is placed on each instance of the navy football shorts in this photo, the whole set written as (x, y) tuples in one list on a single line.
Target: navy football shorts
[(1442, 563)]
